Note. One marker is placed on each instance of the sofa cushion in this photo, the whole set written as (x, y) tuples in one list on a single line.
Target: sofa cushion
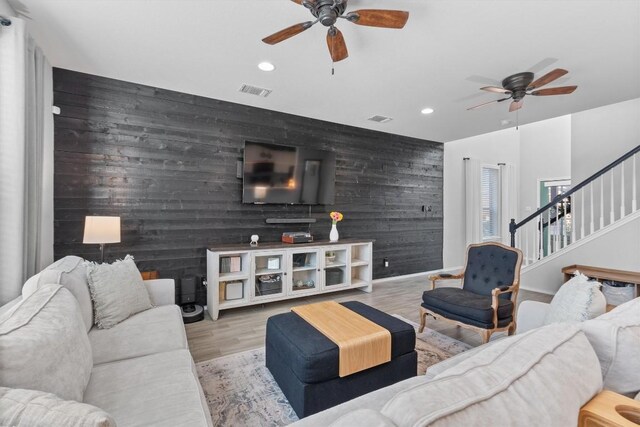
[(156, 390), (33, 408), (466, 306), (314, 357), (152, 331), (71, 273), (44, 345), (117, 291), (542, 377), (615, 336), (574, 301)]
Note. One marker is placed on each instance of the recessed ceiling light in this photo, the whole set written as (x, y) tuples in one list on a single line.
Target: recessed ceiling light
[(266, 66), (427, 110)]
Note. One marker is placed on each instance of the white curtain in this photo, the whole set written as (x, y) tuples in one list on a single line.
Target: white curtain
[(472, 197), (508, 199), (26, 159)]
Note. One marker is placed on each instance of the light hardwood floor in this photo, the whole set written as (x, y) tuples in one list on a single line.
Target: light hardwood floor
[(243, 329)]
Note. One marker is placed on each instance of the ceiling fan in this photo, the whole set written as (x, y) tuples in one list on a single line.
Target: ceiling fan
[(517, 86), (327, 12)]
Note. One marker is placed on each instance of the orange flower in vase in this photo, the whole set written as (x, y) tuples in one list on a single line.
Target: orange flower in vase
[(335, 218)]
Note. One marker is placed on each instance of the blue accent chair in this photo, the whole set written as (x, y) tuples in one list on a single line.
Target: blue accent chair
[(486, 302)]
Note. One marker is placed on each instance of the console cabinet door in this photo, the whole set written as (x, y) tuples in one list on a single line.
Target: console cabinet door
[(305, 271), (269, 275), (336, 267)]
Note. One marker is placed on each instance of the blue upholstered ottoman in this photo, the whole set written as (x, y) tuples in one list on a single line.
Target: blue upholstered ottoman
[(304, 362)]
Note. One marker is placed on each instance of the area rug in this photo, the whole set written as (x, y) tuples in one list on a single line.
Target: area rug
[(240, 390)]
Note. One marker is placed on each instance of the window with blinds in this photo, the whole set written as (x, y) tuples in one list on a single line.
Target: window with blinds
[(490, 200)]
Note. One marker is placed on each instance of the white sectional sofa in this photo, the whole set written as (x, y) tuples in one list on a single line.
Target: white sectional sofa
[(139, 372)]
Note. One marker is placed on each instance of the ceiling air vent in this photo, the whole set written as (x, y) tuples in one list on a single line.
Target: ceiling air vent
[(380, 119), (255, 90)]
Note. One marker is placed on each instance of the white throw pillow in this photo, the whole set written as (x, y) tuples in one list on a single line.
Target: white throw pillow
[(44, 345), (33, 408), (615, 336), (573, 301), (117, 291)]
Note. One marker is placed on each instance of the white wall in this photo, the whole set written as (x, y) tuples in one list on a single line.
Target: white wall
[(545, 153), (600, 136), (618, 249), (491, 148), (539, 150), (6, 9), (603, 134)]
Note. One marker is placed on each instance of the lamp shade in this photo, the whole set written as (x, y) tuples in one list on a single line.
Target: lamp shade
[(101, 229)]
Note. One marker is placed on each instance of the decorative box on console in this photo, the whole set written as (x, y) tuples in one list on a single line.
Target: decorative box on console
[(233, 291), (268, 284), (297, 237)]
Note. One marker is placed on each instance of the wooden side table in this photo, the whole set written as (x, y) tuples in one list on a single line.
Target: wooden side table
[(609, 409), (601, 274)]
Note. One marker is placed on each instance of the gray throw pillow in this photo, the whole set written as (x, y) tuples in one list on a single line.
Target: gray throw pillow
[(117, 291), (33, 408)]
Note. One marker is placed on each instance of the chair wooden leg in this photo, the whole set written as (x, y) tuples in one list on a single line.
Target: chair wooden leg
[(485, 335), (512, 328), (423, 320)]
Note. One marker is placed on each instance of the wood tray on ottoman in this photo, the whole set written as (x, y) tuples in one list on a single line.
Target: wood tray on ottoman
[(305, 363)]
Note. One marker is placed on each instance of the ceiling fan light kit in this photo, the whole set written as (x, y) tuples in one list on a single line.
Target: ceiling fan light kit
[(519, 85), (327, 12)]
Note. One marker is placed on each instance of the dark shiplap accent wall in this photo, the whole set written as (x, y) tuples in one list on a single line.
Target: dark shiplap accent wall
[(166, 163)]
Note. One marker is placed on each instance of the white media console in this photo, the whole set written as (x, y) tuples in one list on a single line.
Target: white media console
[(242, 275)]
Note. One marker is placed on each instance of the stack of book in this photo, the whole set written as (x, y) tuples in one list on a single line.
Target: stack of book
[(230, 264)]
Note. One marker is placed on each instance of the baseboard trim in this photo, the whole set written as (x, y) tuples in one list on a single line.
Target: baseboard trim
[(538, 291), (415, 275)]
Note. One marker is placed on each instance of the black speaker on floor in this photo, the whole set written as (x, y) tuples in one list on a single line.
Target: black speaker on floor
[(191, 312)]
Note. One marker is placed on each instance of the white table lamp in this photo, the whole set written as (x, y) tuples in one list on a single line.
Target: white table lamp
[(101, 230)]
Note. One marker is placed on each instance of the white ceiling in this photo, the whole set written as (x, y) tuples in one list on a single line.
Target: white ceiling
[(448, 49)]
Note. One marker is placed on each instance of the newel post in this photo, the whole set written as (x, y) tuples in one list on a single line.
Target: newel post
[(512, 230)]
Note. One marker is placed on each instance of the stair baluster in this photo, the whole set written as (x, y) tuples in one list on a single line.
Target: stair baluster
[(554, 225)]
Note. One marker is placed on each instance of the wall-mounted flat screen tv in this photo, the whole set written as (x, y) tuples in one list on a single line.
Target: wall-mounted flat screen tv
[(292, 175)]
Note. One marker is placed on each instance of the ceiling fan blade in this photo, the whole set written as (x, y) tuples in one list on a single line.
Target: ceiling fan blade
[(487, 103), (287, 33), (548, 78), (336, 44), (379, 18), (515, 105), (562, 90), (495, 89)]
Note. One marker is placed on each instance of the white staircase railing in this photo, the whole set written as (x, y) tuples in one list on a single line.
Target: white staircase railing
[(588, 207)]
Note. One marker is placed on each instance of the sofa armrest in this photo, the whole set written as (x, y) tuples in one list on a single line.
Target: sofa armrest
[(162, 291), (443, 276), (531, 315)]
